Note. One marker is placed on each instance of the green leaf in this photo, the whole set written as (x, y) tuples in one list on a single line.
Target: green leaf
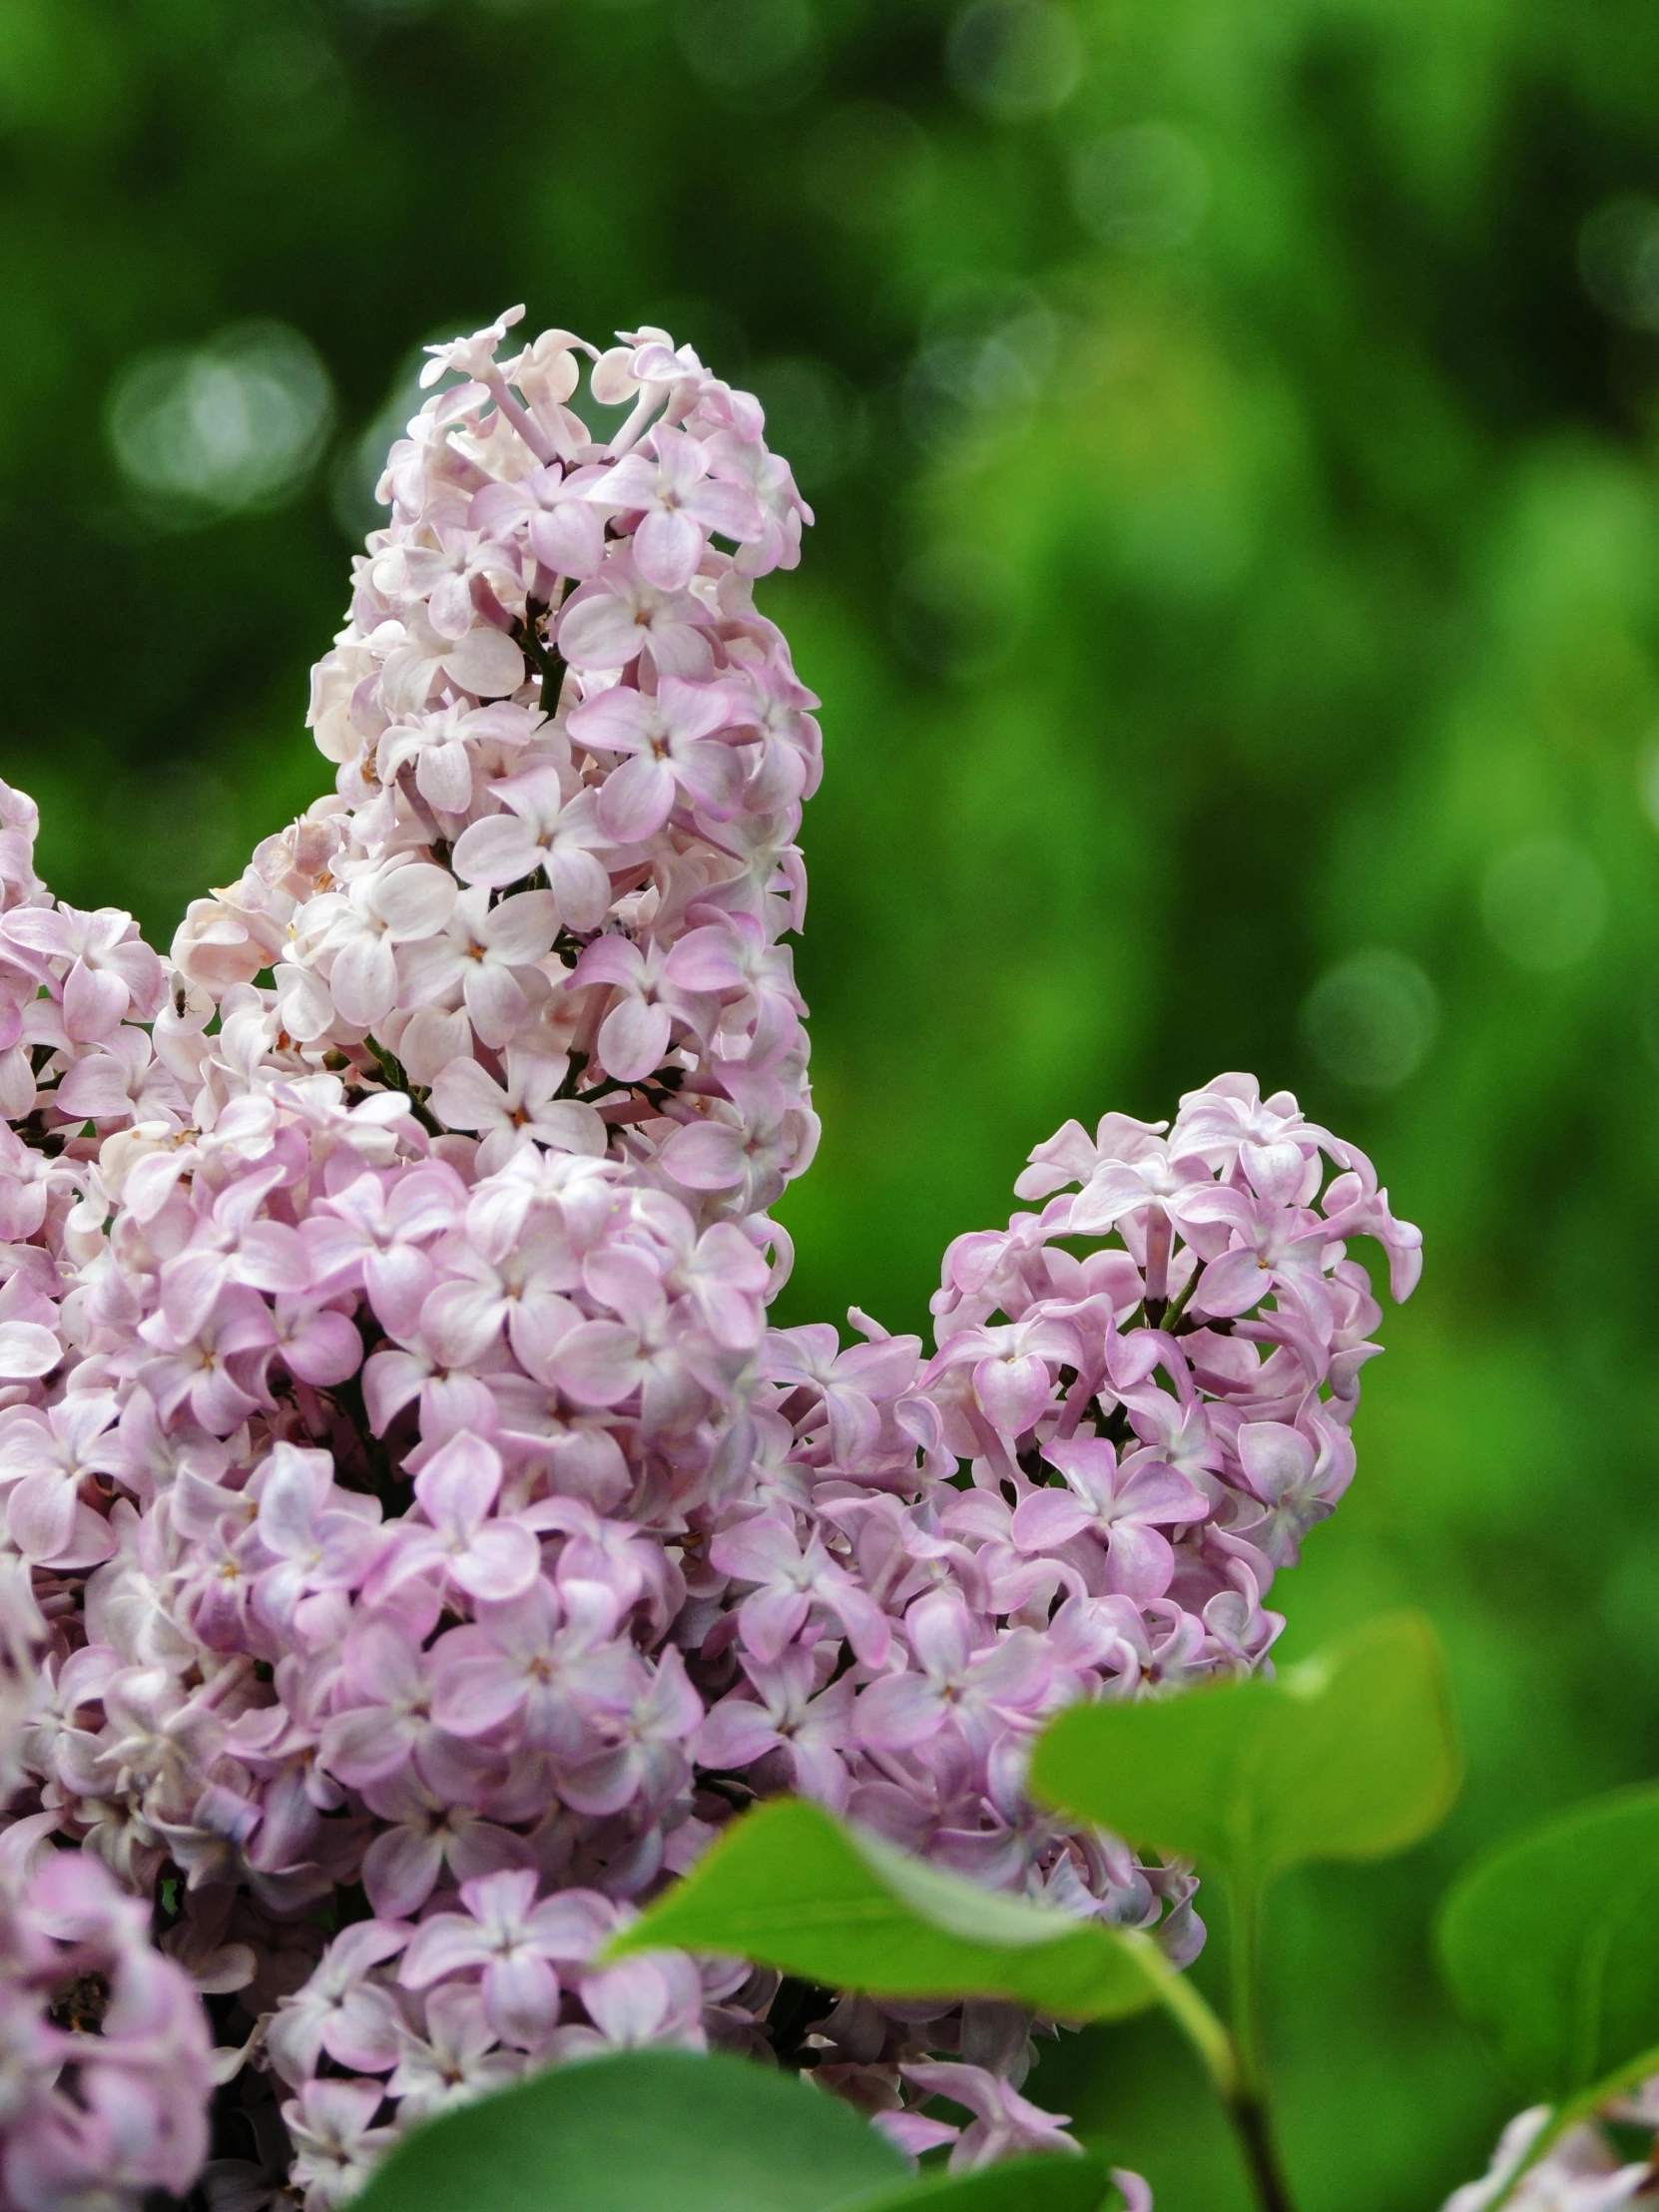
[(789, 1885), (1551, 1945), (644, 2131), (1350, 1755), (1022, 2185), (668, 2132)]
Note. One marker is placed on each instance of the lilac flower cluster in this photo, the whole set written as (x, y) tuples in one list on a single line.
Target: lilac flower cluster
[(106, 2060), (421, 1540)]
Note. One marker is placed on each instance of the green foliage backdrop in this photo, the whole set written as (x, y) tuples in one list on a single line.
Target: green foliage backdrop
[(1231, 424)]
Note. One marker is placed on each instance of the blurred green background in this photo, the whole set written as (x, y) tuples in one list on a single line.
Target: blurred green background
[(1231, 424)]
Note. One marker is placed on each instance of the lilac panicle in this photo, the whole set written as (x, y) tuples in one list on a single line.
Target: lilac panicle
[(415, 1541)]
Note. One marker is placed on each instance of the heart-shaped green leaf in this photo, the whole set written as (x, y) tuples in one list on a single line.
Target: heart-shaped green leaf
[(644, 2131), (1022, 2185), (668, 2132), (1551, 1945), (1350, 1755), (789, 1885)]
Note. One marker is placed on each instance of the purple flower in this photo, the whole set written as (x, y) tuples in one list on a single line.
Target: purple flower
[(648, 1349), (634, 1036), (488, 1558), (48, 1456), (423, 1835), (112, 2104), (1127, 1504), (637, 2003), (789, 1581), (644, 1755), (363, 927), (545, 826), (1275, 1251), (518, 1943), (484, 661), (679, 501), (335, 2141), (846, 1383), (670, 749), (384, 1719), (526, 1107), (494, 1284), (968, 1676), (486, 957), (206, 1368), (375, 1231), (1014, 1367), (321, 1539), (106, 970), (785, 1716), (608, 623), (546, 1664), (1296, 1478), (340, 2011), (1005, 2124), (456, 2060), (435, 745)]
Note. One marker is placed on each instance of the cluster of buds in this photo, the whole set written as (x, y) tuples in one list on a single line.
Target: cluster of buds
[(421, 1542)]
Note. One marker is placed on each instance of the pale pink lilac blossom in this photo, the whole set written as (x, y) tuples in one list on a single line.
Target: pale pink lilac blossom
[(404, 1501), (106, 2059)]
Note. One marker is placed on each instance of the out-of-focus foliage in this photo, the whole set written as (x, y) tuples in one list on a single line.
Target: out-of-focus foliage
[(1551, 1946), (1235, 605)]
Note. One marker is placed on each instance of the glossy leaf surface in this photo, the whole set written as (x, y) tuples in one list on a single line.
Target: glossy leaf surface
[(789, 1885), (1022, 2185), (669, 2131), (1350, 1755), (644, 2131)]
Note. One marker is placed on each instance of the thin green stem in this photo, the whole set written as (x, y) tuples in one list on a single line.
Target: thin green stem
[(391, 1069), (1253, 2131), (1245, 1922), (1238, 2087), (1249, 2110), (1178, 1304), (1207, 2035), (543, 654)]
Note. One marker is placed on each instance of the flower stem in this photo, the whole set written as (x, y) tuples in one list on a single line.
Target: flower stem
[(1232, 2059), (1253, 2131), (1248, 2107)]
